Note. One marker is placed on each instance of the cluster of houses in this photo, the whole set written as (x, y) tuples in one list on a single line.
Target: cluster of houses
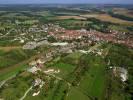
[(36, 65), (41, 32), (116, 37)]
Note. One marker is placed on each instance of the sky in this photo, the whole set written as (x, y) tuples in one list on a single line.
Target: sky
[(66, 1)]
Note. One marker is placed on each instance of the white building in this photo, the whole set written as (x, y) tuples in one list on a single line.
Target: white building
[(33, 70), (59, 44), (30, 45)]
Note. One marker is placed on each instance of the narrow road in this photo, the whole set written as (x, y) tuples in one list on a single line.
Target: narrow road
[(4, 81), (26, 93), (7, 33)]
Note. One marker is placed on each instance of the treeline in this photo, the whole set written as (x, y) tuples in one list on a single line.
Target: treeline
[(123, 17), (98, 25)]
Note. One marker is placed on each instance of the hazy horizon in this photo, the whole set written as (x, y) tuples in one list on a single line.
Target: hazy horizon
[(66, 2)]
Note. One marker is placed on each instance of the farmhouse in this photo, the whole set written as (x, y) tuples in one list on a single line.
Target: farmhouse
[(37, 81), (33, 69)]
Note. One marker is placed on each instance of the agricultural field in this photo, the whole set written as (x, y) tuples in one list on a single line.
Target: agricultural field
[(123, 11), (108, 18)]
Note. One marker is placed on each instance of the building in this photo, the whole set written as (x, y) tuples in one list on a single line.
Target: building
[(30, 45)]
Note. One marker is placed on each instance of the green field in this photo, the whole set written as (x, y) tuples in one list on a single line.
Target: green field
[(91, 80), (82, 77), (12, 57)]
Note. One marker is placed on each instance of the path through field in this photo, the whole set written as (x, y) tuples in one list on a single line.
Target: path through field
[(10, 48), (26, 93)]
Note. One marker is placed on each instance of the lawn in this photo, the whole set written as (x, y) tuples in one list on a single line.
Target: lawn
[(72, 58), (94, 80), (75, 94), (64, 68)]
